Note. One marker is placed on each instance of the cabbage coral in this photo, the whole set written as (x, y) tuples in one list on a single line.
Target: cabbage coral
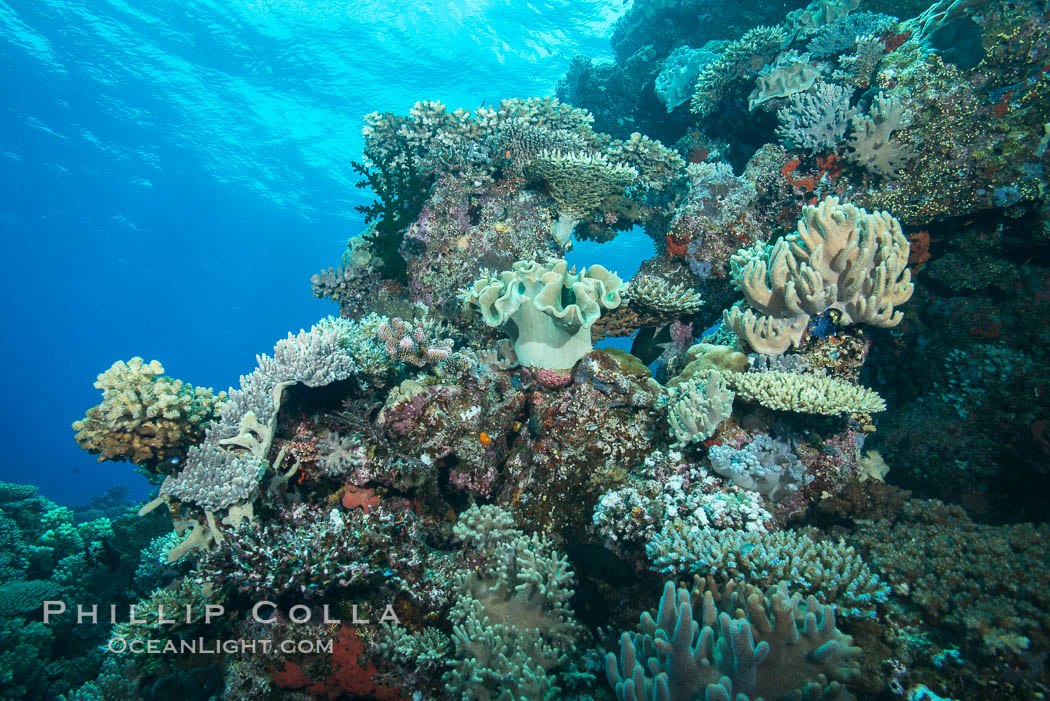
[(546, 309)]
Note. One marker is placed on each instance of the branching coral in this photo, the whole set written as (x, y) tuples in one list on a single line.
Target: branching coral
[(744, 645), (145, 417), (742, 57), (830, 570), (512, 625), (698, 407), (313, 551), (546, 309), (659, 295), (841, 258), (804, 393), (412, 343), (816, 120)]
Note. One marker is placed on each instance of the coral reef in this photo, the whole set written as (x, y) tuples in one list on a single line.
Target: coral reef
[(455, 455), (145, 417), (745, 644), (527, 301)]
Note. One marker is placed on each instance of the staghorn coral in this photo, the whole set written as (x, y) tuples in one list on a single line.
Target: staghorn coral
[(412, 344), (872, 145), (832, 571), (579, 183), (804, 393), (841, 258), (529, 303), (697, 408), (815, 120), (658, 295), (745, 645), (145, 417)]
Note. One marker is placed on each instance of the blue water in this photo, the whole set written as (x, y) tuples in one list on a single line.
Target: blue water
[(172, 174)]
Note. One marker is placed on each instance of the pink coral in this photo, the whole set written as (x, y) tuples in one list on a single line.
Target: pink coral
[(551, 379)]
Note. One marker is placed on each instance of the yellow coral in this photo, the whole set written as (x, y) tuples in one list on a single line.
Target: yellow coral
[(806, 394), (144, 416)]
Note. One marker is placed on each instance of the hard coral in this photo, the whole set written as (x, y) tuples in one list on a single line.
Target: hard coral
[(145, 417)]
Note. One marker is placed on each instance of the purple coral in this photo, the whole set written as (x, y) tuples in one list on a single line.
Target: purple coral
[(412, 344)]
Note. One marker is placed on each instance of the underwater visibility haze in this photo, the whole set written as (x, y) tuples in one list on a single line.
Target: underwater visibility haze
[(674, 350)]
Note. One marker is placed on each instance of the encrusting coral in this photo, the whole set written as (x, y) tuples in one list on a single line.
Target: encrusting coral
[(529, 303), (841, 258), (145, 417)]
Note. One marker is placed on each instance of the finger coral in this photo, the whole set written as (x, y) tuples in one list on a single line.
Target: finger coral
[(841, 258), (698, 407), (746, 644), (145, 417)]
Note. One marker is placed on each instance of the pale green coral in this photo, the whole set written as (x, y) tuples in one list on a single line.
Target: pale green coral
[(698, 407), (830, 570), (513, 630), (805, 394), (742, 645), (532, 304)]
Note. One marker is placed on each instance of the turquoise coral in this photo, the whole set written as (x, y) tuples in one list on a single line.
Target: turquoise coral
[(745, 645)]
